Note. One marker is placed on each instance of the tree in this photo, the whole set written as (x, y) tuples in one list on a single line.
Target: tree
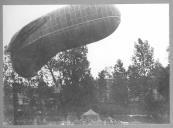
[(134, 84), (120, 88), (89, 91), (20, 94), (74, 78), (148, 83), (70, 73), (140, 70), (102, 86), (143, 58), (160, 76), (12, 85), (157, 99)]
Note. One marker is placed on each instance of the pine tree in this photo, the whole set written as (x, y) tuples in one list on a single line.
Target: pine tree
[(102, 86), (120, 88)]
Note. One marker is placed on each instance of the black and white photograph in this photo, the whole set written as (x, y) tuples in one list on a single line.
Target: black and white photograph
[(86, 64)]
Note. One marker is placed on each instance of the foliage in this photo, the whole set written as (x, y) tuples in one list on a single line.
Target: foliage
[(143, 57), (157, 99), (120, 89), (65, 86), (140, 70), (74, 79), (102, 86)]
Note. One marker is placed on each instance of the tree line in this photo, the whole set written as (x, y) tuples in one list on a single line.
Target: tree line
[(65, 86), (142, 88)]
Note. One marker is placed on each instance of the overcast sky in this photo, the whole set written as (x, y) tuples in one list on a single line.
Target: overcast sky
[(148, 22)]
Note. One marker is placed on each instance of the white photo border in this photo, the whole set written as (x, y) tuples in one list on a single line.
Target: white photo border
[(52, 2)]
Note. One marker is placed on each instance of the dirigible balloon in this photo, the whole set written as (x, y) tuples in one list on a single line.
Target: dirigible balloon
[(65, 28)]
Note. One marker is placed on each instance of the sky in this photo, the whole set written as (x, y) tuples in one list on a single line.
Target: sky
[(146, 21)]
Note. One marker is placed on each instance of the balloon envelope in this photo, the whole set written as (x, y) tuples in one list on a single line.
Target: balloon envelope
[(65, 28)]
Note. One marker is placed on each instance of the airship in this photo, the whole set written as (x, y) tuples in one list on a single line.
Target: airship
[(65, 28)]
